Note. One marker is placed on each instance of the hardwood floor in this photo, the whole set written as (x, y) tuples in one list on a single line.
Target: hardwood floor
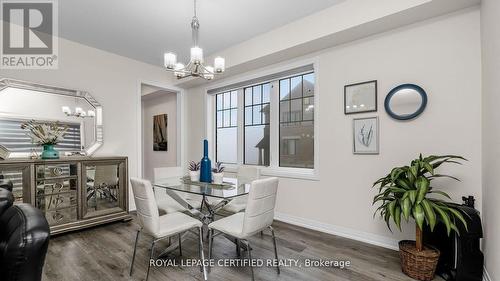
[(104, 253)]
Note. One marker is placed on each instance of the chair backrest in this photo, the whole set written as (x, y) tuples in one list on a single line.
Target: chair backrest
[(106, 174), (168, 172), (147, 210), (259, 212), (247, 174)]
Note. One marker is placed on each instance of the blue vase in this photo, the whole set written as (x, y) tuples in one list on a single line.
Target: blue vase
[(49, 152), (206, 165)]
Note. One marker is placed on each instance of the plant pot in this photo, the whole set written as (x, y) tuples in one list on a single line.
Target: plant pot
[(420, 265), (218, 178), (49, 152), (194, 175)]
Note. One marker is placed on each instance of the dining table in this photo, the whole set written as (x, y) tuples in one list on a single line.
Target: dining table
[(213, 198)]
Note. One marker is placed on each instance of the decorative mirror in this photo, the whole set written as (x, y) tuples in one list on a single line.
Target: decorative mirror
[(23, 101), (405, 102)]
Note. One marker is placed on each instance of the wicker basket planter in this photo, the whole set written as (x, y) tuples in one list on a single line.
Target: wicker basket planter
[(420, 265)]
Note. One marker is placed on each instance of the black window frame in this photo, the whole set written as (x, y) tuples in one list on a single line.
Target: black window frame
[(290, 99), (230, 109), (261, 104)]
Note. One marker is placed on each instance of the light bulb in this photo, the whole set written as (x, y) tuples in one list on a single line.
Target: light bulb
[(91, 113), (197, 55), (170, 60), (179, 67), (219, 64), (66, 110), (209, 74), (78, 111)]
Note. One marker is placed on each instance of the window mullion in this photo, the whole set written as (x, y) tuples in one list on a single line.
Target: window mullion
[(274, 125), (241, 124)]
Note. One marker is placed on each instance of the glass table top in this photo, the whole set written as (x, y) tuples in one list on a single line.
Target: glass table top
[(230, 188)]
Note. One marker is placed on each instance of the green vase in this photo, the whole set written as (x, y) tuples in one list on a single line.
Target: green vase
[(49, 152)]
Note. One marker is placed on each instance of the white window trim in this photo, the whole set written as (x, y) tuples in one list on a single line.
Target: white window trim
[(273, 169)]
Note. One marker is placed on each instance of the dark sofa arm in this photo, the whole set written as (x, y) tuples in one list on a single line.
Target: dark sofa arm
[(6, 184), (24, 239)]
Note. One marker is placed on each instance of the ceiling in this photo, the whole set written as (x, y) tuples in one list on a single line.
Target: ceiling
[(144, 30)]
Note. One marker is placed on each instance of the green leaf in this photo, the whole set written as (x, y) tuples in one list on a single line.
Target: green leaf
[(397, 217), (391, 207), (441, 193), (404, 184), (444, 217), (428, 167), (443, 176), (406, 206), (422, 188), (429, 213), (458, 214), (413, 196), (418, 215)]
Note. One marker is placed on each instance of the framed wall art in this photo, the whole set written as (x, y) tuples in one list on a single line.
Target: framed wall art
[(360, 97)]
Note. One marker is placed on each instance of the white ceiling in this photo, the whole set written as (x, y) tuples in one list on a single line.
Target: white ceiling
[(145, 29)]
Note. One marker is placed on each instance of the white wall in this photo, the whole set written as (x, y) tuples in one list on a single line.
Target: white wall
[(490, 14), (441, 55), (162, 102), (114, 81)]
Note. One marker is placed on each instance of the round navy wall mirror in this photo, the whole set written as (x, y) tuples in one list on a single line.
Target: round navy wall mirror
[(405, 102)]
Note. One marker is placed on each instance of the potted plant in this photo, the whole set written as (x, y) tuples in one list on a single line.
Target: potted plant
[(194, 171), (46, 134), (405, 193), (218, 173)]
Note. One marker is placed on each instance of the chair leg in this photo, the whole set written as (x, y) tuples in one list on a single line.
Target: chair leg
[(275, 249), (249, 251), (135, 249), (238, 248), (150, 257), (180, 244), (202, 255), (210, 243)]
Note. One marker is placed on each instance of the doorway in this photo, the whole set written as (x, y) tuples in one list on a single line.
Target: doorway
[(160, 119)]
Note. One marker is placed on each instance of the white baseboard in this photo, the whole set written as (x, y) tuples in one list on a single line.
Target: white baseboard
[(345, 232), (486, 276)]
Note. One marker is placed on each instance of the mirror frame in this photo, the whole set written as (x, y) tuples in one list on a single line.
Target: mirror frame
[(91, 148), (410, 116)]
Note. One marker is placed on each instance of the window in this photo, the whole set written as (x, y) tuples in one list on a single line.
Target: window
[(227, 127), (297, 121), (257, 120), (15, 139), (275, 127)]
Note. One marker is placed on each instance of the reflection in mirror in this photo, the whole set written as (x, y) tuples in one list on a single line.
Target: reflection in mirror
[(102, 187), (406, 102), (22, 101)]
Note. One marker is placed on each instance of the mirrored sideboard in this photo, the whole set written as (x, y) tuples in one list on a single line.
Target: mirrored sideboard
[(73, 193)]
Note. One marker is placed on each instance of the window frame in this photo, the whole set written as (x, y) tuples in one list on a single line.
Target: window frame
[(261, 85), (273, 169), (230, 109)]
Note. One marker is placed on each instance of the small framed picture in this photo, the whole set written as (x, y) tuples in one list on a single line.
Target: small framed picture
[(366, 135), (360, 97)]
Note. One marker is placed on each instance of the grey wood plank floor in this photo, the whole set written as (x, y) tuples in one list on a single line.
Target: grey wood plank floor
[(104, 253)]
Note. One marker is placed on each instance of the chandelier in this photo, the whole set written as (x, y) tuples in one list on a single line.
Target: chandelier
[(195, 67)]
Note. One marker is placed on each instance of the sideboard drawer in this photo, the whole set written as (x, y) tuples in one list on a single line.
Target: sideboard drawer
[(61, 216), (57, 201), (55, 171)]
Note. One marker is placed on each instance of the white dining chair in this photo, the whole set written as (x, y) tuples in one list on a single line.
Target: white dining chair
[(161, 227), (167, 203), (245, 175), (258, 215)]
